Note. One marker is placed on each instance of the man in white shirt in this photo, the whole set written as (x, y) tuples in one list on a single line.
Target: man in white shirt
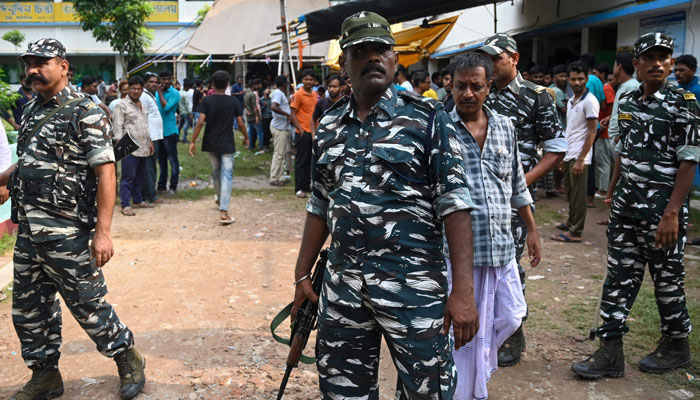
[(155, 130), (581, 125), (185, 108)]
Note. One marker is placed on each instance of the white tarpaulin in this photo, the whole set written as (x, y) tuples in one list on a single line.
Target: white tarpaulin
[(233, 26)]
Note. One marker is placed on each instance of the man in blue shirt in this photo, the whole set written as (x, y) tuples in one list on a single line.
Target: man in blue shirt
[(238, 90), (168, 99), (684, 70), (25, 92)]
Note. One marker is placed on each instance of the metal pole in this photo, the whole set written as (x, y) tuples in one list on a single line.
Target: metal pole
[(495, 18), (285, 49)]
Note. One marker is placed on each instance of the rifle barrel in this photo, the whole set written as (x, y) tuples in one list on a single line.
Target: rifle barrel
[(283, 385)]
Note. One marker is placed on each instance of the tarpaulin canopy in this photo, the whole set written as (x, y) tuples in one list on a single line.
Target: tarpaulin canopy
[(232, 27), (413, 44), (325, 24)]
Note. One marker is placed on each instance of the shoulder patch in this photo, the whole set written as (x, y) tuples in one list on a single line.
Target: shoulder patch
[(689, 96), (624, 116), (540, 89)]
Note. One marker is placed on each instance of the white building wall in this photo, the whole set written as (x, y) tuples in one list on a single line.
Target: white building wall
[(476, 24)]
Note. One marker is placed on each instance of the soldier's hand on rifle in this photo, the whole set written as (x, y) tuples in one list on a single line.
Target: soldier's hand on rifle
[(303, 291), (667, 231)]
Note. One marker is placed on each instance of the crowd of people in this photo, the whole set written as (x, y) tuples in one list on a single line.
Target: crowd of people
[(425, 184)]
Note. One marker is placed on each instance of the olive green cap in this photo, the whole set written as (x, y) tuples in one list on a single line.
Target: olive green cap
[(365, 26)]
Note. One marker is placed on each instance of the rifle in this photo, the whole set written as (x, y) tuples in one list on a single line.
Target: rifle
[(302, 325)]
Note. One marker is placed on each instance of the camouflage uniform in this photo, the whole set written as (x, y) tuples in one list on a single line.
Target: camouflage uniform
[(55, 212), (655, 136), (532, 111), (384, 200)]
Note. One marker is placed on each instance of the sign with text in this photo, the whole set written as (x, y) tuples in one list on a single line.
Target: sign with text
[(45, 11), (671, 24)]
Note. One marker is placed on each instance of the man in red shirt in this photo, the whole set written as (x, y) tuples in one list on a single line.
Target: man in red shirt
[(604, 148), (302, 110)]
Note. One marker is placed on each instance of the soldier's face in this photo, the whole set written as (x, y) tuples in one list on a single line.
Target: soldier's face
[(469, 90), (577, 81), (46, 74), (684, 75), (504, 66), (371, 66), (654, 65)]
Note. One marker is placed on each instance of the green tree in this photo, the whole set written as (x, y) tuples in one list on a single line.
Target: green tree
[(15, 37), (119, 22), (201, 14), (7, 95)]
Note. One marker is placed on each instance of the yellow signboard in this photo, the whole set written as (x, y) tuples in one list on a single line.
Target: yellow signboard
[(163, 11)]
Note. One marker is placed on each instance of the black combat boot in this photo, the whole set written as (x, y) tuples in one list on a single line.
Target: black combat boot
[(669, 355), (608, 360), (509, 353), (131, 365), (45, 384)]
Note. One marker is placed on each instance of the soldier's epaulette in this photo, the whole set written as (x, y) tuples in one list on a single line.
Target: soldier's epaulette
[(415, 98), (685, 94)]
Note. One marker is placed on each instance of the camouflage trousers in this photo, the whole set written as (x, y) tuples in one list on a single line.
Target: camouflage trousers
[(348, 344), (519, 231), (41, 271), (630, 249)]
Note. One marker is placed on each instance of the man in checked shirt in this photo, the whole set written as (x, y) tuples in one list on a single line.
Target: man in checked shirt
[(496, 183)]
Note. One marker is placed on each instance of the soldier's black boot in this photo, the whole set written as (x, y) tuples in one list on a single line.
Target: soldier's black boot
[(45, 384), (509, 353), (131, 365), (669, 355), (608, 360)]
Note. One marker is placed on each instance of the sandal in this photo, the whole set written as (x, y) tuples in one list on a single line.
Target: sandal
[(128, 211), (226, 220), (564, 239), (143, 204), (562, 226)]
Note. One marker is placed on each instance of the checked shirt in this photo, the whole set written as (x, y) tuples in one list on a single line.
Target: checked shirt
[(496, 183)]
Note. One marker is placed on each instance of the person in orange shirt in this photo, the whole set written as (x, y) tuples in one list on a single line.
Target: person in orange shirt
[(302, 110)]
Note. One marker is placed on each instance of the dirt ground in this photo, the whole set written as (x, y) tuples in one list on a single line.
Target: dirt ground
[(199, 298)]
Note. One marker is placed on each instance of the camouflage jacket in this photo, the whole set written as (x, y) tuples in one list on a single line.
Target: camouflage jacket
[(534, 115), (384, 199), (656, 134), (53, 169)]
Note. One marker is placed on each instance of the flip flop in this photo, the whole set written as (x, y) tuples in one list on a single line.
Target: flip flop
[(562, 226), (564, 239)]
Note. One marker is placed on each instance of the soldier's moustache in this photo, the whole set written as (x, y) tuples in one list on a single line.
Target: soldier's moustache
[(372, 68), (36, 77)]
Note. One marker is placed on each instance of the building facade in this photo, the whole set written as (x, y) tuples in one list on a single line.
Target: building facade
[(172, 24)]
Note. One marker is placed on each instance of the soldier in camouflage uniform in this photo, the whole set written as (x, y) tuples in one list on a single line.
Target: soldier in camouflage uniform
[(64, 147), (658, 153), (532, 111), (387, 173)]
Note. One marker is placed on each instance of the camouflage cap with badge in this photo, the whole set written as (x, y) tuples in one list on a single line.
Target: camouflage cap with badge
[(47, 47), (365, 26), (652, 39), (499, 43)]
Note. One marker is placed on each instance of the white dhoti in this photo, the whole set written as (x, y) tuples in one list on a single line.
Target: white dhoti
[(501, 306)]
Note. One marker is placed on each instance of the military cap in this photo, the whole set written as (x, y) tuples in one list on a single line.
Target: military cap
[(499, 43), (365, 26), (652, 39), (46, 47)]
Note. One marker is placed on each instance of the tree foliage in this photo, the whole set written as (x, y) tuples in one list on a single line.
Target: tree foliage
[(119, 22), (7, 95), (201, 14), (15, 37)]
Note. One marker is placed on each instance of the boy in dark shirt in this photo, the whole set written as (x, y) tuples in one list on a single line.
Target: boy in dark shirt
[(219, 112)]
